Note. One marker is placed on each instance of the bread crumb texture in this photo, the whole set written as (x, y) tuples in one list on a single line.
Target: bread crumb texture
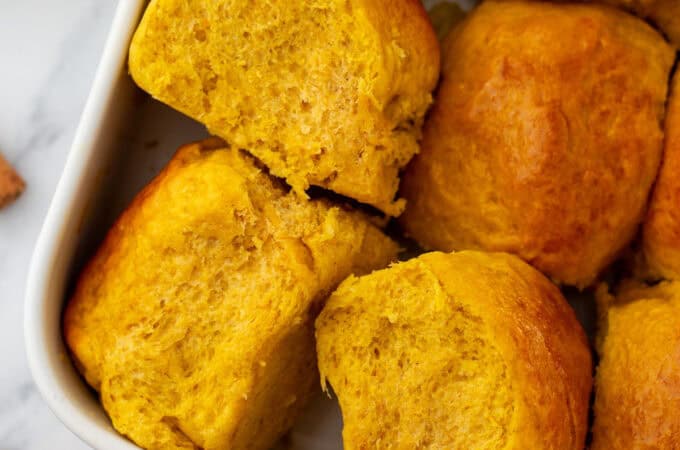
[(330, 93), (455, 351), (661, 231), (542, 141), (638, 377), (11, 184), (194, 320)]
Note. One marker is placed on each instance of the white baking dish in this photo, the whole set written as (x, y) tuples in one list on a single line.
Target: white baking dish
[(66, 223), (123, 140)]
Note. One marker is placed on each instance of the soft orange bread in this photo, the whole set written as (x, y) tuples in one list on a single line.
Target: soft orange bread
[(455, 351), (325, 92), (194, 320), (637, 384), (545, 136), (661, 231), (663, 13)]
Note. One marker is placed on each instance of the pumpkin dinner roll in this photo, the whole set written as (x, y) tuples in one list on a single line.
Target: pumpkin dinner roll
[(194, 320), (324, 92), (661, 230), (637, 385), (466, 350), (545, 137)]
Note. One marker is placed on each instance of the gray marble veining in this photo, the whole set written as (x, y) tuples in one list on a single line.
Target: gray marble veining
[(49, 52)]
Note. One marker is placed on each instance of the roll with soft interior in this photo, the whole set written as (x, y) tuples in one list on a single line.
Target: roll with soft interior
[(329, 93), (467, 350), (194, 319)]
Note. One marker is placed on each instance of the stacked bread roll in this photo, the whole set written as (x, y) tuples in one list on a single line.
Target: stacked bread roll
[(529, 156), (542, 150), (329, 93), (194, 320), (419, 356)]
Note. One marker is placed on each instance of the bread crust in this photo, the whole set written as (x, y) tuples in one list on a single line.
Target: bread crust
[(542, 141), (522, 315), (638, 377), (194, 319), (663, 13), (661, 230)]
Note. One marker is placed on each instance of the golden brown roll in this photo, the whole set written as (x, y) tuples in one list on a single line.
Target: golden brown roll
[(661, 231), (637, 386), (545, 136), (325, 92), (194, 320), (456, 351)]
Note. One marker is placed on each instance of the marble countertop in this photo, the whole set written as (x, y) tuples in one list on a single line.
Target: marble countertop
[(49, 52)]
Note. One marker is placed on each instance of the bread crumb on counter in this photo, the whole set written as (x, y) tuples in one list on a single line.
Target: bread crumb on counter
[(11, 183)]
